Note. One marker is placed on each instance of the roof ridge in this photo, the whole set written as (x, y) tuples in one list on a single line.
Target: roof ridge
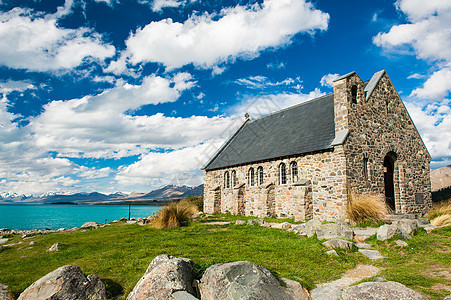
[(291, 107)]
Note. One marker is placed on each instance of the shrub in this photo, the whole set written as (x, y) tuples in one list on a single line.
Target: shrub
[(367, 207), (196, 200), (440, 214), (175, 214)]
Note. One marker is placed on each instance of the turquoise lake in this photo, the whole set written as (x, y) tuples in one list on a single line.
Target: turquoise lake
[(66, 216)]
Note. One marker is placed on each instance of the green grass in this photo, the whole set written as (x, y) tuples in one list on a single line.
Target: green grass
[(121, 253)]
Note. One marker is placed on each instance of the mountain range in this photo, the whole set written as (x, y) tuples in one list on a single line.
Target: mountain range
[(165, 193), (441, 178)]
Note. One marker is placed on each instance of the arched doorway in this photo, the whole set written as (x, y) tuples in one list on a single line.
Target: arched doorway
[(217, 201), (389, 183)]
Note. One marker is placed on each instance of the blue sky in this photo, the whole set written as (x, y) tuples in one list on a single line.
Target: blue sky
[(115, 95)]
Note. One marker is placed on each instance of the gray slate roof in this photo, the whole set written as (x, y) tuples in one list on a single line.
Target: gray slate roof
[(305, 127)]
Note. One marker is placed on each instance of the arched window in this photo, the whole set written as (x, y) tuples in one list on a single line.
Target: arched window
[(260, 175), (283, 173), (234, 178), (354, 94), (227, 180), (251, 177), (294, 171)]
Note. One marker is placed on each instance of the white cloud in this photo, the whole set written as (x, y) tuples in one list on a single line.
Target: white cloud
[(158, 5), (262, 82), (428, 36), (433, 121), (328, 80), (265, 104), (15, 86), (210, 39), (154, 166), (34, 42)]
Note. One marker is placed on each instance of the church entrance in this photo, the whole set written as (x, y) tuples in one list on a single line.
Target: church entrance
[(389, 167), (241, 207), (217, 201)]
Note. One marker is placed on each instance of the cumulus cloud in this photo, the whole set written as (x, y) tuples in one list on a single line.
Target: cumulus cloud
[(183, 164), (210, 39), (427, 35), (433, 121), (328, 80), (15, 86), (35, 42)]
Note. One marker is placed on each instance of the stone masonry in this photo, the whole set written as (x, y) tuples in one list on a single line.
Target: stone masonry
[(378, 125)]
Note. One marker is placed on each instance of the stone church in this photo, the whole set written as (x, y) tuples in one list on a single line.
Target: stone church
[(301, 162)]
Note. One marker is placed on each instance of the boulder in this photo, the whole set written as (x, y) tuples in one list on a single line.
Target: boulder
[(165, 275), (183, 295), (339, 229), (338, 243), (240, 222), (329, 292), (406, 225), (386, 232), (130, 222), (422, 221), (3, 241), (90, 225), (365, 233), (4, 294), (284, 225), (448, 297), (55, 247), (67, 282), (32, 243), (363, 246), (295, 289), (381, 291), (241, 280)]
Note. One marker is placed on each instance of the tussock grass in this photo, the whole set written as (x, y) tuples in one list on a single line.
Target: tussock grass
[(175, 214), (367, 207), (440, 214)]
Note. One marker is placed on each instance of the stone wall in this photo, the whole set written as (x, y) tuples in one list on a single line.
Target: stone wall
[(378, 126), (322, 195)]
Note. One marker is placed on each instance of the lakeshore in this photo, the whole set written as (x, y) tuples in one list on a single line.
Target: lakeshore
[(48, 217)]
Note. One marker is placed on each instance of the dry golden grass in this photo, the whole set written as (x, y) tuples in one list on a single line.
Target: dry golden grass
[(440, 214), (175, 214), (363, 207)]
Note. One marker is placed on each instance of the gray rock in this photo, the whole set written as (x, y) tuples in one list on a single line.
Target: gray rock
[(380, 291), (4, 294), (308, 228), (55, 247), (422, 221), (90, 225), (32, 243), (240, 280), (386, 232), (165, 275), (401, 243), (365, 233), (429, 227), (448, 297), (183, 295), (295, 289), (3, 241), (407, 225), (329, 292), (260, 222), (284, 225), (371, 254), (130, 222), (240, 222), (338, 243), (363, 246), (122, 219), (332, 252), (67, 282), (339, 229)]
